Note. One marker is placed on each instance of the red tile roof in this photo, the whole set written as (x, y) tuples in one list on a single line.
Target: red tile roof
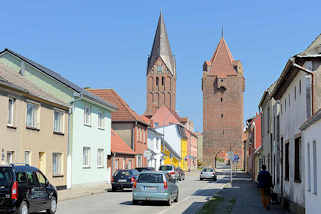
[(163, 116), (222, 60), (118, 145), (124, 112)]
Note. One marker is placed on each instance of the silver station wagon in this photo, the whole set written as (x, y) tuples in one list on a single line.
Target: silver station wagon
[(155, 186)]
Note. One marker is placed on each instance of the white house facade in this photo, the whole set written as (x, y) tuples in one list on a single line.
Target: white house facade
[(154, 141), (311, 137)]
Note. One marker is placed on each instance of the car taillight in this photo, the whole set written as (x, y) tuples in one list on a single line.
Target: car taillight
[(14, 190), (112, 179), (165, 185), (134, 185), (132, 180), (172, 173)]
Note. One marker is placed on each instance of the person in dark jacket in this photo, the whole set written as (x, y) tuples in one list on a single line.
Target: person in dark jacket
[(265, 184)]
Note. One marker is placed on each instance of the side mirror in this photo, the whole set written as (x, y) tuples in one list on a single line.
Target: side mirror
[(47, 183)]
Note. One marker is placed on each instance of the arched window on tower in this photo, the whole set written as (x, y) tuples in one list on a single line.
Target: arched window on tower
[(163, 81), (157, 79)]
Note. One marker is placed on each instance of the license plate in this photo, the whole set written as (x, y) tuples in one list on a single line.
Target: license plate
[(150, 188), (122, 180)]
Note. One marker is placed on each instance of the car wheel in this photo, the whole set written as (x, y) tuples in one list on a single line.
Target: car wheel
[(169, 202), (201, 179), (53, 206), (135, 202), (23, 208), (176, 199)]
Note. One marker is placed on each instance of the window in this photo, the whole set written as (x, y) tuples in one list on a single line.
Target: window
[(11, 112), (21, 177), (30, 178), (222, 115), (295, 93), (58, 121), (268, 120), (87, 115), (28, 157), (315, 169), (32, 115), (163, 81), (100, 158), (124, 163), (157, 79), (116, 164), (86, 157), (297, 148), (287, 170), (130, 164), (10, 157), (281, 108), (139, 161), (309, 168), (159, 68), (285, 105), (57, 164), (156, 124), (289, 100), (300, 87), (41, 178), (221, 99), (101, 124)]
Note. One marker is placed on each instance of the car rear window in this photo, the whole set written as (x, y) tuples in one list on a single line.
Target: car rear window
[(208, 170), (150, 178), (165, 168), (122, 173), (134, 172), (5, 177)]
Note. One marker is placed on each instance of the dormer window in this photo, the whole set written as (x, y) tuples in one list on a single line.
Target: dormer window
[(159, 68)]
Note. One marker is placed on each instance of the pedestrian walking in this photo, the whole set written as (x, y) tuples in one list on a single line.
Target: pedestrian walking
[(265, 184)]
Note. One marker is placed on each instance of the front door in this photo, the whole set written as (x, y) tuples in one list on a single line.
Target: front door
[(42, 162), (42, 190)]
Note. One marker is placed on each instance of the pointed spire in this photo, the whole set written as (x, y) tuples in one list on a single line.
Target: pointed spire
[(222, 32), (222, 60), (161, 47)]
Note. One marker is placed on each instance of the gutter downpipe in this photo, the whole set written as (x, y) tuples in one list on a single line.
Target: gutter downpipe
[(69, 151)]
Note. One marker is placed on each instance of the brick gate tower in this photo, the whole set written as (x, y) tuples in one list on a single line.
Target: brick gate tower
[(223, 85), (161, 73)]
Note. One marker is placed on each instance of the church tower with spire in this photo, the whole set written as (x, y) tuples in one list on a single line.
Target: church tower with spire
[(223, 85), (161, 73)]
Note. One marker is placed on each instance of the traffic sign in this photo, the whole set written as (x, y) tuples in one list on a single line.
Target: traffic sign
[(230, 155)]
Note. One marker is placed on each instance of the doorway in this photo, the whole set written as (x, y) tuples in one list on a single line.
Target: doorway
[(42, 162)]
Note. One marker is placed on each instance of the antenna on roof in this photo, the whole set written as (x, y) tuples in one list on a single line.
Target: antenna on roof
[(222, 33)]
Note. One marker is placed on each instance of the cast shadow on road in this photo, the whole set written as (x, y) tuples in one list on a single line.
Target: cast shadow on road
[(194, 207), (145, 203)]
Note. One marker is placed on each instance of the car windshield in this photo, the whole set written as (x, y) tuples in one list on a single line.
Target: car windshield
[(5, 177), (150, 178), (208, 170), (165, 168)]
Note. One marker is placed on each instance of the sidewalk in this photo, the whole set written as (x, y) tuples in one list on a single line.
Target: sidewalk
[(78, 192), (245, 196)]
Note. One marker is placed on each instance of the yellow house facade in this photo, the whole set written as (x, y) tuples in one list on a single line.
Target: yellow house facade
[(169, 157), (183, 162)]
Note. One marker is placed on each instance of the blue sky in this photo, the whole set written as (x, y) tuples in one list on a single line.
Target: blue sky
[(105, 44)]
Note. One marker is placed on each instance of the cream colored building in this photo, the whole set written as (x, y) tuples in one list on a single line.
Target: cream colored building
[(34, 127)]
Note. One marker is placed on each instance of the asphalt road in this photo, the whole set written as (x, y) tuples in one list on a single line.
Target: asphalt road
[(193, 194)]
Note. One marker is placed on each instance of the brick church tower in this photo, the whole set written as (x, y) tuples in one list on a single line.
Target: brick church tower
[(223, 86), (161, 73)]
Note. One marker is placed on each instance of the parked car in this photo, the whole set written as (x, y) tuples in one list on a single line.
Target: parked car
[(208, 173), (140, 169), (24, 189), (124, 178), (170, 170), (155, 186), (181, 174)]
